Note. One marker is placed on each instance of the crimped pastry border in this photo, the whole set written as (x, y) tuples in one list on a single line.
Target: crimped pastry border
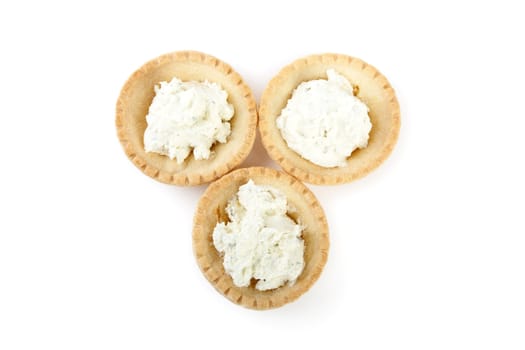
[(210, 210), (136, 94), (374, 89)]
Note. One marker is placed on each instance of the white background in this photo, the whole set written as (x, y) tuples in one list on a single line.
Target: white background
[(428, 251)]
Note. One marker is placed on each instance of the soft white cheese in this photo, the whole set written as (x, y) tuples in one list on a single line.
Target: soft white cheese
[(324, 122), (187, 115), (260, 241)]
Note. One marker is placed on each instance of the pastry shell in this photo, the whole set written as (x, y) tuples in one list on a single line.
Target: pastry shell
[(307, 211), (369, 85), (135, 99)]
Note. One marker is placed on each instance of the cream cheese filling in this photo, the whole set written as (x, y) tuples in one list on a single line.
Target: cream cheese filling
[(324, 122), (260, 242), (185, 117)]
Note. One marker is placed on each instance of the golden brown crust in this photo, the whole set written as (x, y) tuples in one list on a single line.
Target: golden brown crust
[(211, 209), (137, 94), (373, 89)]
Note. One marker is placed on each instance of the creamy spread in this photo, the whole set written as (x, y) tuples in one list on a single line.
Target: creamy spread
[(324, 122), (260, 241), (186, 116)]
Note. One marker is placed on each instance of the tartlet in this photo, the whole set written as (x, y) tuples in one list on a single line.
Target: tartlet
[(306, 210), (370, 86), (135, 99)]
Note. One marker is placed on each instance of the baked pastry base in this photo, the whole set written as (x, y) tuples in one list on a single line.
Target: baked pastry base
[(135, 99), (211, 210), (370, 86)]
